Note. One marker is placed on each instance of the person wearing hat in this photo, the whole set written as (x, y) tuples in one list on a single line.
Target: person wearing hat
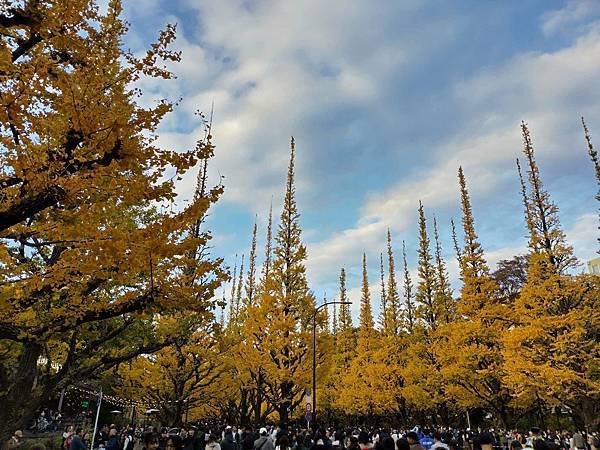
[(264, 442)]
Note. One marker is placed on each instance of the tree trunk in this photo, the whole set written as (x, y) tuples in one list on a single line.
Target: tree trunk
[(586, 413), (258, 400), (20, 403), (244, 408), (506, 417), (283, 415)]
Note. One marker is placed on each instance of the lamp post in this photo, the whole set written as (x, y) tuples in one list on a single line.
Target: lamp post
[(96, 421), (314, 365)]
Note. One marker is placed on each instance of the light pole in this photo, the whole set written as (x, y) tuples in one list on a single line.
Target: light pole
[(96, 421), (314, 365)]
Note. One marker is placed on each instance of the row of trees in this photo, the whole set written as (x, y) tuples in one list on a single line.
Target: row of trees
[(518, 339), (94, 269), (99, 278)]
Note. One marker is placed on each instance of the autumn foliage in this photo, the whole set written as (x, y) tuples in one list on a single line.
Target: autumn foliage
[(100, 270), (93, 260), (513, 342)]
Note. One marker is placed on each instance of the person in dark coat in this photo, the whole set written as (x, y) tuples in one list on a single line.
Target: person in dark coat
[(77, 441), (264, 442), (248, 438), (113, 440), (228, 442), (192, 441)]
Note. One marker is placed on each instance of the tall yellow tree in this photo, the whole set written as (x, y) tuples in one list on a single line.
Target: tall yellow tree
[(425, 297), (443, 300), (180, 378), (345, 349), (251, 280), (383, 296), (595, 160), (471, 359), (555, 345), (423, 385), (366, 330), (393, 314), (252, 386), (408, 294), (282, 318), (88, 263), (363, 389)]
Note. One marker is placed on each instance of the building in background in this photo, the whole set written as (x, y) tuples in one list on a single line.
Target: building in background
[(594, 266)]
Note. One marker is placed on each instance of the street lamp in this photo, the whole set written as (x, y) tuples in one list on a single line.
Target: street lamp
[(314, 365)]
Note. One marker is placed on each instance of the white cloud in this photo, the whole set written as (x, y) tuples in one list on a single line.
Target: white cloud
[(574, 12), (271, 67), (583, 236), (550, 90)]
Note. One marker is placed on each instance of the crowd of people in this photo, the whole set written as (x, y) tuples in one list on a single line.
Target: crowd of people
[(277, 438), (215, 437)]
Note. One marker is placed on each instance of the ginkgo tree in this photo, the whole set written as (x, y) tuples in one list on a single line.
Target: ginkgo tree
[(180, 378), (278, 327), (90, 260), (554, 345)]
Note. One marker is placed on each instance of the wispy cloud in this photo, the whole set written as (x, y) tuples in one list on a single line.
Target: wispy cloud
[(573, 13), (496, 100), (386, 100)]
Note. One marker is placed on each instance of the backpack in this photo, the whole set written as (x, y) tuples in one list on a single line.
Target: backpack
[(130, 443)]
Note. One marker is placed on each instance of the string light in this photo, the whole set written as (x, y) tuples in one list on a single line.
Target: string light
[(120, 401), (112, 399)]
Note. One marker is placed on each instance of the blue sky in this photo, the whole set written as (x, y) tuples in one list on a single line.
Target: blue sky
[(385, 99)]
